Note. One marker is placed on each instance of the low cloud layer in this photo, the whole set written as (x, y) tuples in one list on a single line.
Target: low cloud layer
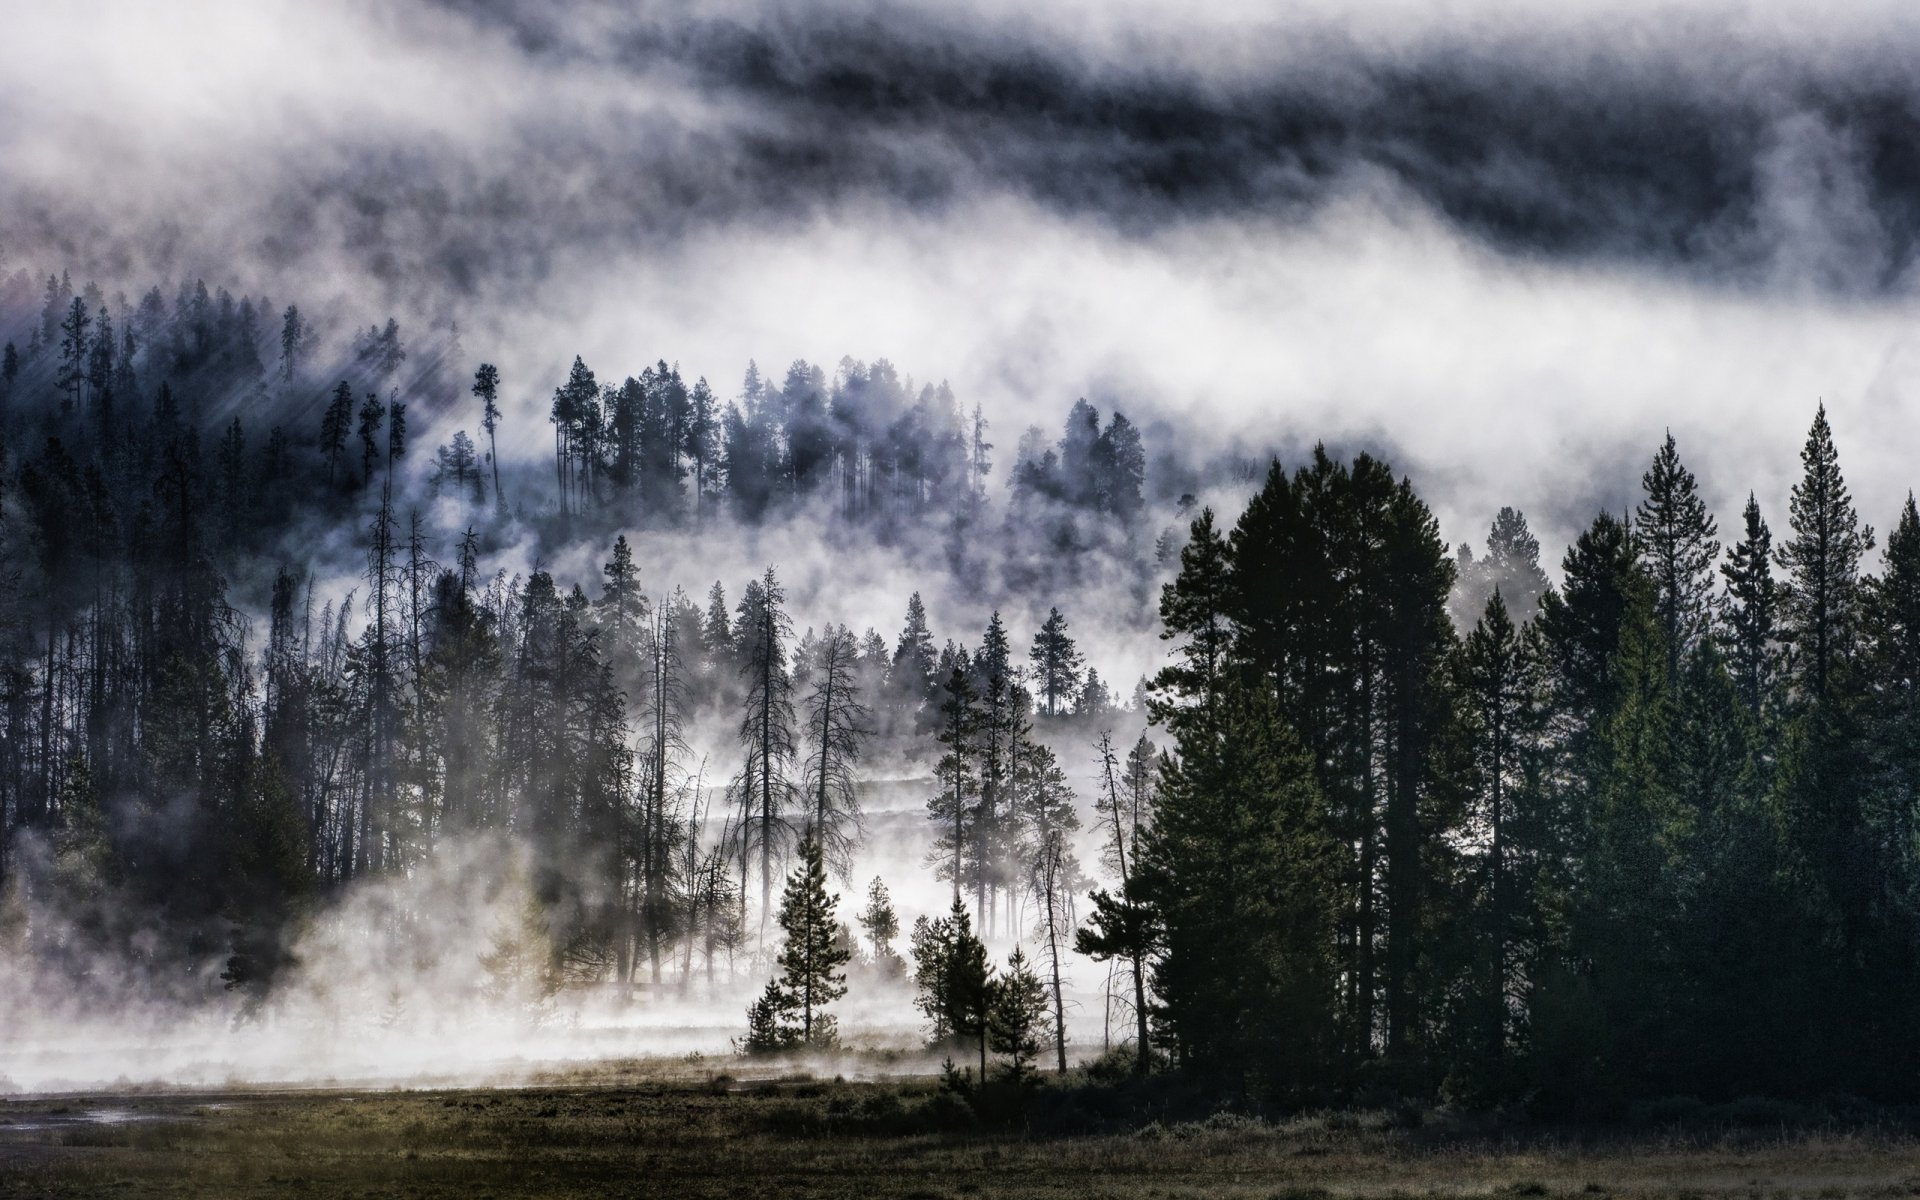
[(1508, 248)]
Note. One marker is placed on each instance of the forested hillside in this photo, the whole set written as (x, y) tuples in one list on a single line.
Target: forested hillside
[(288, 611)]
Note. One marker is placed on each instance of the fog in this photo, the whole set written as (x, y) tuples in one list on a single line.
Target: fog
[(1506, 248)]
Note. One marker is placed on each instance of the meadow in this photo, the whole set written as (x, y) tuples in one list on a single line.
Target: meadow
[(710, 1135)]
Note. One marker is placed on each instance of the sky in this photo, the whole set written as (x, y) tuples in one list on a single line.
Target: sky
[(1506, 246)]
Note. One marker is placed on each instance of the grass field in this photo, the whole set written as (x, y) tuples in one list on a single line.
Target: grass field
[(689, 1138)]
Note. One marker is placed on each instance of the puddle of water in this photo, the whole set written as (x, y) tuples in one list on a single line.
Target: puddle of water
[(43, 1122)]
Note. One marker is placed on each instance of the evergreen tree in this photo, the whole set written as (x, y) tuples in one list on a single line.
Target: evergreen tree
[(881, 924), (1500, 688), (334, 424), (486, 385), (913, 674), (1511, 567), (1122, 924), (952, 979), (296, 339), (1056, 662), (1241, 870), (1752, 608), (764, 785), (1017, 1017), (954, 807), (71, 377), (1674, 536), (1194, 609), (838, 723), (372, 415), (1822, 561), (811, 962)]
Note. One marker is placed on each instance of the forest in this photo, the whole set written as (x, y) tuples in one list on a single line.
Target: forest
[(1393, 817)]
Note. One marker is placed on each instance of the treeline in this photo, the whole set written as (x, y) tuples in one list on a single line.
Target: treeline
[(189, 790), (181, 783), (1653, 837), (306, 421), (879, 450)]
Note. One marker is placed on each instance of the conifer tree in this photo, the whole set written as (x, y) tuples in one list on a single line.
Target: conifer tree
[(764, 785), (1194, 610), (812, 961), (334, 424), (1674, 536), (486, 385), (1017, 1018), (1511, 567), (954, 807), (1580, 624), (716, 631), (1501, 691), (1053, 879), (881, 924), (838, 723), (72, 375), (1241, 869), (295, 340), (1752, 608), (913, 674), (1056, 662), (1122, 924), (953, 980), (1822, 561), (372, 415)]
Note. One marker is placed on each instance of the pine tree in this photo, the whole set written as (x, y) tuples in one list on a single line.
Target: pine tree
[(1017, 1018), (1511, 567), (764, 785), (1053, 878), (1056, 662), (1500, 688), (1580, 625), (1822, 561), (1241, 870), (912, 677), (770, 1027), (372, 415), (1194, 609), (486, 385), (71, 378), (838, 723), (1674, 536), (952, 979), (296, 339), (812, 961), (954, 807), (1624, 924), (396, 433), (1753, 604), (334, 424), (881, 924), (1122, 924), (716, 631)]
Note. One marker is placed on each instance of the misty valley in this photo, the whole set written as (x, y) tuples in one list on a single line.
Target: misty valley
[(330, 757), (1046, 599)]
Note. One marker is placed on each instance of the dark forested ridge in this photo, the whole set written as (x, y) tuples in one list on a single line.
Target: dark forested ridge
[(1419, 821)]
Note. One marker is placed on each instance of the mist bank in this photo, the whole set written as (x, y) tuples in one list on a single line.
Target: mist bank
[(1491, 246)]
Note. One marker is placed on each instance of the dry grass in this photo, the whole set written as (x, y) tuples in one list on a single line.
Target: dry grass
[(689, 1139)]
